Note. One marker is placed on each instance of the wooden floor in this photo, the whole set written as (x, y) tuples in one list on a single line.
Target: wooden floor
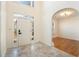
[(68, 45)]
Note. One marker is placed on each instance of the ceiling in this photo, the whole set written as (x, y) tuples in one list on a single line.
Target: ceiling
[(65, 13)]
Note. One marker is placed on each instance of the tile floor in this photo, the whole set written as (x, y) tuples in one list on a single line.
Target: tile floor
[(36, 50)]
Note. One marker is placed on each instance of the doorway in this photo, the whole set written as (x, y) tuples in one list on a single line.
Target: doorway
[(23, 30), (66, 31)]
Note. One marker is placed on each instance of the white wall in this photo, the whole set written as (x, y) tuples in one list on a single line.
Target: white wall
[(3, 29), (43, 18), (26, 10), (0, 29), (69, 28), (48, 10), (56, 28)]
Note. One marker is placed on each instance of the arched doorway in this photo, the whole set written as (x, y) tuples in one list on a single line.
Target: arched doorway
[(66, 30)]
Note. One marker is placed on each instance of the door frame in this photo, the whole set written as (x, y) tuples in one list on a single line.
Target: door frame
[(29, 18)]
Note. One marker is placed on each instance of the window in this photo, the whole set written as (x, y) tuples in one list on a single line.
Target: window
[(29, 3)]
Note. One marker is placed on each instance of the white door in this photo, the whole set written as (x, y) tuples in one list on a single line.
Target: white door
[(24, 31)]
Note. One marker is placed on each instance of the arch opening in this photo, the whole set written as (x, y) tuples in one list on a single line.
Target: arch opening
[(65, 13), (66, 31)]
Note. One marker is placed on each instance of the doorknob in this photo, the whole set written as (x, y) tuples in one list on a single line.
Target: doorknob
[(15, 41), (19, 32)]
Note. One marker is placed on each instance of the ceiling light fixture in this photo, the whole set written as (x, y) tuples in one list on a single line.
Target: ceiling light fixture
[(65, 13)]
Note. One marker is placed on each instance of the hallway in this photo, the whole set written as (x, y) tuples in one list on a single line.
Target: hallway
[(36, 50), (39, 29)]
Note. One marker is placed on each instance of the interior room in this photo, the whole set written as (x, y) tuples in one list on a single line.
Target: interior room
[(39, 28)]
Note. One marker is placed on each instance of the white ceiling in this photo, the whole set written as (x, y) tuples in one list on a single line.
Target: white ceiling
[(65, 13)]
